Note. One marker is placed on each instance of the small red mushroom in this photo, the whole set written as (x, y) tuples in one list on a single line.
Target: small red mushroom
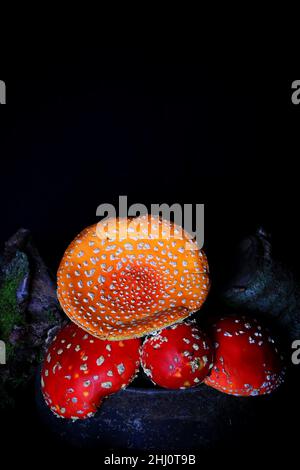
[(80, 370), (247, 360), (177, 357)]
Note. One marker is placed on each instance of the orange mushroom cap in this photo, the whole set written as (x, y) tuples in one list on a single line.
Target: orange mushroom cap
[(125, 278)]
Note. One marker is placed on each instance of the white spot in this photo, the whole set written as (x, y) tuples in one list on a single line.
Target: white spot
[(106, 384), (100, 360)]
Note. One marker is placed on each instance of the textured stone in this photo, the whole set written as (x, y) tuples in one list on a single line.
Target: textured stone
[(29, 313)]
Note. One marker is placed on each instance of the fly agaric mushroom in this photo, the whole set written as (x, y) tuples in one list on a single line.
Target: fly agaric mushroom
[(124, 278), (247, 361), (80, 370), (177, 357)]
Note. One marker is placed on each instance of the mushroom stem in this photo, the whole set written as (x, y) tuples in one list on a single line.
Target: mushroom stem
[(262, 284)]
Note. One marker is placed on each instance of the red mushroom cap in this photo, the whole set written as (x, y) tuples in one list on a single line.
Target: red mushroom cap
[(80, 370), (124, 278), (247, 361), (177, 357)]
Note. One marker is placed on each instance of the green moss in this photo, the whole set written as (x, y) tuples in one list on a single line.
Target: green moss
[(9, 310), (50, 315), (10, 314)]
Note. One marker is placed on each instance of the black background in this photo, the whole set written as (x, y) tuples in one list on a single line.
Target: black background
[(83, 125)]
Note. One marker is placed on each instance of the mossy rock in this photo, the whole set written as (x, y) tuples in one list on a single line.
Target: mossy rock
[(29, 314), (14, 279)]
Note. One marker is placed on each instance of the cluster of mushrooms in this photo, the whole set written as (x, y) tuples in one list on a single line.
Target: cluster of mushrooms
[(128, 287)]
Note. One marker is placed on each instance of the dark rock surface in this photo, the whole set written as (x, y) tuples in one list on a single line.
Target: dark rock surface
[(197, 419), (260, 283), (29, 313)]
